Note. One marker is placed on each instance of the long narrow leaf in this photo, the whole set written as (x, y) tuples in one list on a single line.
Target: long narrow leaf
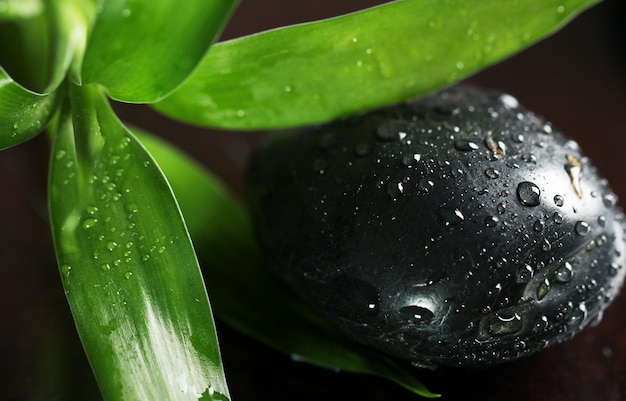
[(23, 113), (327, 69), (245, 294), (141, 50), (128, 267)]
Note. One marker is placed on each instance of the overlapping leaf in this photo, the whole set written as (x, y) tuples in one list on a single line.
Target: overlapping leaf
[(127, 263), (324, 70), (245, 294), (140, 50)]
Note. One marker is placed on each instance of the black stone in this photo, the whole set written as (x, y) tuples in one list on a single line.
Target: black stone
[(416, 247)]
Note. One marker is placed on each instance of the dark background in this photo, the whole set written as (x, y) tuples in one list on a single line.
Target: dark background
[(575, 78)]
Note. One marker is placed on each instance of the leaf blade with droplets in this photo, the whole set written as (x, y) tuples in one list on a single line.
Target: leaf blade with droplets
[(128, 267), (328, 69)]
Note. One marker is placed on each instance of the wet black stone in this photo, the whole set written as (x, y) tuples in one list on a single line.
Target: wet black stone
[(363, 241)]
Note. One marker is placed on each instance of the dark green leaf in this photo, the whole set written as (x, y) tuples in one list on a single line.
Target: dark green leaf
[(141, 50), (245, 294), (328, 69), (23, 114), (128, 267)]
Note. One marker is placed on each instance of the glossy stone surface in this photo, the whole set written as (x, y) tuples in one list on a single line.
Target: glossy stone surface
[(459, 229)]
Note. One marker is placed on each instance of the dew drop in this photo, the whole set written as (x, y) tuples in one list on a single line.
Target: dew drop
[(66, 270), (128, 275), (528, 193), (91, 210), (582, 228), (89, 223), (111, 245), (416, 315), (132, 208)]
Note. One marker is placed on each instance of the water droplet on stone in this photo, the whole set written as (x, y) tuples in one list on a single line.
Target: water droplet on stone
[(491, 221), (539, 225), (465, 145), (528, 194), (353, 298), (388, 132), (498, 148), (451, 216), (395, 189), (559, 200), (564, 273), (328, 141), (416, 315), (609, 200), (574, 168), (509, 101), (557, 217), (320, 165), (504, 323), (524, 274), (363, 149), (543, 289), (425, 185), (546, 245), (582, 228), (501, 207), (492, 173)]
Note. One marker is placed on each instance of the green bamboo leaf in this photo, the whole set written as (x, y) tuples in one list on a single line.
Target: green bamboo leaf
[(23, 113), (328, 69), (244, 293), (127, 264), (141, 50)]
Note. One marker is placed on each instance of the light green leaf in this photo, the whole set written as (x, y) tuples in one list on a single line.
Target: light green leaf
[(23, 113), (20, 9), (140, 50), (245, 294), (127, 264), (328, 69)]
